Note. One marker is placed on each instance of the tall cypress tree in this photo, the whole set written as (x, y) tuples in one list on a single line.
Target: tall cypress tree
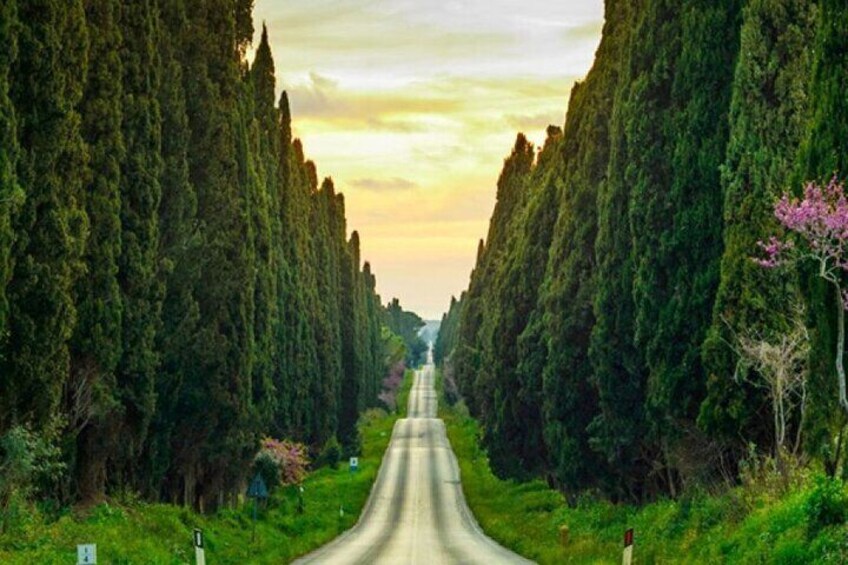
[(348, 434), (96, 347), (515, 442), (676, 207), (618, 364), (565, 318), (767, 120), (51, 226), (212, 445), (179, 246), (823, 154), (140, 195), (327, 328), (10, 193)]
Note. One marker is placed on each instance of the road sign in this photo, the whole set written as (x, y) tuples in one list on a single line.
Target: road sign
[(257, 488), (199, 551), (86, 554), (627, 559), (354, 464)]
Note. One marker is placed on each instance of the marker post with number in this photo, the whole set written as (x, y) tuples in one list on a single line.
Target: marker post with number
[(628, 547), (87, 554), (199, 552)]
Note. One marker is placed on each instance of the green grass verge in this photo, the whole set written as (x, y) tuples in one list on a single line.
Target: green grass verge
[(757, 524), (136, 532)]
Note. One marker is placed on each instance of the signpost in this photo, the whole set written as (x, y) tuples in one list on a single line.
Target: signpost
[(628, 547), (199, 552), (87, 554), (257, 490)]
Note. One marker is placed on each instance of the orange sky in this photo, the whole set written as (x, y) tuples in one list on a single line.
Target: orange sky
[(412, 105)]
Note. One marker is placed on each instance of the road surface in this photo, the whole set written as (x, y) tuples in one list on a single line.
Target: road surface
[(416, 513)]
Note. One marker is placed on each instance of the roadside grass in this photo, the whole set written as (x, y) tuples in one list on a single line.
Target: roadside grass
[(755, 523), (129, 531)]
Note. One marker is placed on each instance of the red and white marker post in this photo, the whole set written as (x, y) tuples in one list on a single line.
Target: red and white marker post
[(628, 547)]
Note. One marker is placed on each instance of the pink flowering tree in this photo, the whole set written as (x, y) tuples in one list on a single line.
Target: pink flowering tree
[(291, 458), (817, 227)]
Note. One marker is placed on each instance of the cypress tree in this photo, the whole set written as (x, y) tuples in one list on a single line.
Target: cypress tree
[(10, 193), (556, 344), (767, 119), (179, 243), (210, 444), (51, 226), (515, 442), (823, 154), (676, 208), (96, 346), (327, 328), (348, 434), (138, 275)]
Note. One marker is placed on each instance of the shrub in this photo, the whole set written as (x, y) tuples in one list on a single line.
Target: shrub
[(267, 467), (290, 457), (331, 454), (826, 506)]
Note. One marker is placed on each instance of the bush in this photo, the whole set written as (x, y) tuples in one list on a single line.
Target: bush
[(826, 506), (266, 467), (331, 454), (290, 458), (27, 461)]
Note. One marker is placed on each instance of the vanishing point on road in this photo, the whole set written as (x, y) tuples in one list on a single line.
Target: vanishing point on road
[(416, 513)]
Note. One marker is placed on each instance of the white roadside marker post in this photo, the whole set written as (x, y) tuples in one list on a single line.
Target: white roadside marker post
[(628, 547), (87, 554), (199, 552)]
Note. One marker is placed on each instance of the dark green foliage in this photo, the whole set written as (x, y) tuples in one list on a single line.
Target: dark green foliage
[(50, 227), (515, 441), (603, 308), (557, 343), (179, 239), (96, 346), (446, 339), (173, 283), (767, 119), (406, 325), (138, 264), (823, 154), (827, 505), (10, 193)]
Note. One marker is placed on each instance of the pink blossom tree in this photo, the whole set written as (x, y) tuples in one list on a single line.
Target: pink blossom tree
[(291, 457), (820, 221)]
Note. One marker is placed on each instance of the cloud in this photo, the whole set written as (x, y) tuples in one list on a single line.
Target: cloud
[(533, 122), (384, 185), (419, 103)]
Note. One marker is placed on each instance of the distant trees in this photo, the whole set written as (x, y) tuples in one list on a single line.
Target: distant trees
[(596, 341), (174, 284), (406, 325)]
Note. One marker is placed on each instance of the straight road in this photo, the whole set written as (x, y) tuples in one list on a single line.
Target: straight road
[(416, 513)]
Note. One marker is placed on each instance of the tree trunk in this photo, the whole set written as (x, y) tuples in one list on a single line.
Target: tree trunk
[(840, 349)]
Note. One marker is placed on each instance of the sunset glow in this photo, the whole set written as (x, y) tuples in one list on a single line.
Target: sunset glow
[(411, 107)]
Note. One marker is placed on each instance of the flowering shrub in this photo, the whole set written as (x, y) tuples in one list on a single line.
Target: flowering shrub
[(291, 458), (391, 386), (820, 221)]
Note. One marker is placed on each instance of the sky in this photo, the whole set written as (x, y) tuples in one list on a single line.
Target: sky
[(411, 107)]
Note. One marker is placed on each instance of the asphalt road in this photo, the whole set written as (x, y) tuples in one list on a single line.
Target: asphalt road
[(416, 513)]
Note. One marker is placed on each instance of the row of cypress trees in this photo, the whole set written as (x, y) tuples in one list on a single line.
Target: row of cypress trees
[(593, 340), (174, 282)]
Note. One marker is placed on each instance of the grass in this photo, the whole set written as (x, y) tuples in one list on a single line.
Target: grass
[(752, 524), (130, 531)]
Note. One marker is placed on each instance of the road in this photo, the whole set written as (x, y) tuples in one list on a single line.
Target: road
[(416, 513)]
